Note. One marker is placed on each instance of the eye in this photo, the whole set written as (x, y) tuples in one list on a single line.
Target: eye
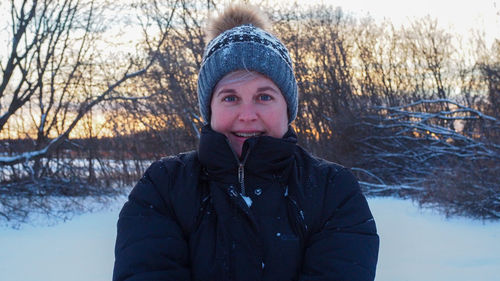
[(229, 99), (265, 97)]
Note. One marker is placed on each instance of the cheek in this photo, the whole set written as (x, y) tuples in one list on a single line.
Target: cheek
[(277, 123), (218, 119)]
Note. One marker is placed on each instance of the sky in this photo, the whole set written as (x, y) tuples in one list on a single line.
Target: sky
[(460, 16), (457, 16)]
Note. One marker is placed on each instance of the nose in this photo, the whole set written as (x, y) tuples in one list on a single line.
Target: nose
[(248, 112)]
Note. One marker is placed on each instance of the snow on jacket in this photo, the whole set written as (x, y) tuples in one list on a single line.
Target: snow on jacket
[(278, 214)]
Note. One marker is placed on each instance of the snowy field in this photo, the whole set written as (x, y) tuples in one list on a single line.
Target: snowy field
[(416, 245)]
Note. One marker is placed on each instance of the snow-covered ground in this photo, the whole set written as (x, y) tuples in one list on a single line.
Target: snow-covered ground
[(418, 245), (422, 245)]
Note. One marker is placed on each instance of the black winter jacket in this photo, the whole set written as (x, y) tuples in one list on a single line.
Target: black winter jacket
[(277, 214)]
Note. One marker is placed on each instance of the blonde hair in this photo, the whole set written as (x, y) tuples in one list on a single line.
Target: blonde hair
[(238, 76)]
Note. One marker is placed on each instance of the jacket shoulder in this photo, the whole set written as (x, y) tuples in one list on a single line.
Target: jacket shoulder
[(170, 185), (180, 160), (325, 186), (165, 172), (316, 165), (327, 178), (339, 218), (151, 218)]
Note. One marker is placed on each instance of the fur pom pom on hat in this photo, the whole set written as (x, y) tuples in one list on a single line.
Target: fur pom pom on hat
[(240, 39), (236, 15)]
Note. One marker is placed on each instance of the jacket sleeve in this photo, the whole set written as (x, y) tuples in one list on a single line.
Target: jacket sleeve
[(346, 246), (150, 244)]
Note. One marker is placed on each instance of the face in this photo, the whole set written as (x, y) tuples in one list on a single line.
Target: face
[(247, 108)]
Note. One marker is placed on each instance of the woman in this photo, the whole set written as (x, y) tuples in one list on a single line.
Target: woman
[(250, 204)]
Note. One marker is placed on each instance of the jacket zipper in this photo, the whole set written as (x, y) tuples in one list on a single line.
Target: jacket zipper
[(241, 169), (241, 178), (241, 173)]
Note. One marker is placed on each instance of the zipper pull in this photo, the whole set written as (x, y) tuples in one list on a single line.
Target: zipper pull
[(241, 178)]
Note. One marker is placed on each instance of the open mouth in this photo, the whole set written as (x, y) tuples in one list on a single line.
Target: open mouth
[(248, 135)]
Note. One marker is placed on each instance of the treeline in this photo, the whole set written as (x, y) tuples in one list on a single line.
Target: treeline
[(413, 110)]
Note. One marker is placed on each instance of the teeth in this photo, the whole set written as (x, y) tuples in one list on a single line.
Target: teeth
[(247, 135)]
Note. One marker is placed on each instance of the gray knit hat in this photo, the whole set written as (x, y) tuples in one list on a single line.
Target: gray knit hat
[(249, 48)]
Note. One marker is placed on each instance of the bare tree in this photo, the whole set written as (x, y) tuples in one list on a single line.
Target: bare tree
[(170, 114), (431, 52), (407, 151), (55, 72), (490, 69)]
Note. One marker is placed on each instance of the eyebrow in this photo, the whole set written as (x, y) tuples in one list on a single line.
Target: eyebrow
[(261, 89), (226, 91), (267, 88)]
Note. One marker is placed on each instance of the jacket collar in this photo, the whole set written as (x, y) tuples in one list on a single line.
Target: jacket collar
[(263, 157)]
